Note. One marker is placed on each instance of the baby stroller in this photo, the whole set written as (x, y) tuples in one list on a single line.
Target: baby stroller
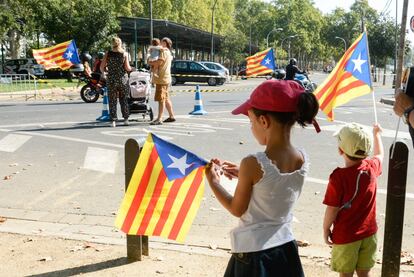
[(139, 94)]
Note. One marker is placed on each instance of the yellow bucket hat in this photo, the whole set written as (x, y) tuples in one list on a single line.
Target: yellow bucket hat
[(354, 140)]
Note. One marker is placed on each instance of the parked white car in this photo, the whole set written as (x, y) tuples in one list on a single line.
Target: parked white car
[(218, 67), (23, 66)]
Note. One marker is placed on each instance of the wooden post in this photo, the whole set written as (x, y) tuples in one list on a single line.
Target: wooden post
[(394, 214), (136, 245)]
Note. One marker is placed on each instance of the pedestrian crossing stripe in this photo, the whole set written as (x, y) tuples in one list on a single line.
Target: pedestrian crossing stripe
[(100, 159), (205, 90), (12, 142)]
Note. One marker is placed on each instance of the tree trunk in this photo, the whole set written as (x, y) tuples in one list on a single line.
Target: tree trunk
[(14, 40), (385, 71)]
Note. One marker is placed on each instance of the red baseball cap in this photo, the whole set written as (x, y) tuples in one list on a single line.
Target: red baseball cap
[(274, 96)]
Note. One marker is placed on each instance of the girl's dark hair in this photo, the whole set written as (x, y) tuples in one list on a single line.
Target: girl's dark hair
[(307, 109)]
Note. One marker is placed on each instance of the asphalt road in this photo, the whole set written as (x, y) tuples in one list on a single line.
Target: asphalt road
[(56, 157)]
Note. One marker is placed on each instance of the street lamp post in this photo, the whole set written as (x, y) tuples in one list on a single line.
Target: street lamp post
[(2, 58), (283, 40), (343, 41), (288, 37), (267, 38), (151, 21), (212, 30)]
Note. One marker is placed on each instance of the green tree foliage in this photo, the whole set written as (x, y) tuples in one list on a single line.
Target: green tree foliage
[(233, 45), (381, 41), (128, 7), (301, 19), (92, 22), (16, 21), (88, 22)]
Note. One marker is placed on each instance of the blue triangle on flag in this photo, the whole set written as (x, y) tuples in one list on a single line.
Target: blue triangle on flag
[(269, 60), (176, 161), (71, 53), (358, 63)]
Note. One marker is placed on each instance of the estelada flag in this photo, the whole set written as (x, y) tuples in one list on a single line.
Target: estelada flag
[(260, 63), (349, 79), (164, 193), (62, 55)]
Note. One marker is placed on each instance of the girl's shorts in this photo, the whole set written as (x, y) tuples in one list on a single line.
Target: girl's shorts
[(348, 257), (280, 261)]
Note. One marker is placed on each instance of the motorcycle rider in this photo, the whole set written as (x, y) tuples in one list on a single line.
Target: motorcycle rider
[(97, 63), (85, 59), (292, 69)]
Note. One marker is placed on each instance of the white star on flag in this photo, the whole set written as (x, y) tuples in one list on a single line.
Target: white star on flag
[(69, 54), (267, 61), (180, 164), (358, 63)]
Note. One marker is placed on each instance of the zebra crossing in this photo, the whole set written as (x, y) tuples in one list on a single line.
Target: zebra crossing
[(105, 156)]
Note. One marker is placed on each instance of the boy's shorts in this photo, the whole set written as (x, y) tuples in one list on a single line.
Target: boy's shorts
[(357, 255)]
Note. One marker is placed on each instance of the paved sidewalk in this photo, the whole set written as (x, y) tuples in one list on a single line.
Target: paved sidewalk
[(79, 244)]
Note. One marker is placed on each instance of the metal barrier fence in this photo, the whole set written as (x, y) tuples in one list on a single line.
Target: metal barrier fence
[(19, 84)]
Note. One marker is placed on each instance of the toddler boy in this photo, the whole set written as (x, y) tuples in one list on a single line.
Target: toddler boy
[(350, 218)]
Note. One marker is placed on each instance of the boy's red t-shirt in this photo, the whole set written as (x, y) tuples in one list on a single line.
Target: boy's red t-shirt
[(359, 221)]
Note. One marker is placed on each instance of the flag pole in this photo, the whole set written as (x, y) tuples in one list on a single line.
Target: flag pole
[(370, 77)]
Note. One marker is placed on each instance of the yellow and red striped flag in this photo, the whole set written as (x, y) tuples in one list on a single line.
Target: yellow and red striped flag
[(260, 63), (62, 55), (349, 79), (164, 193)]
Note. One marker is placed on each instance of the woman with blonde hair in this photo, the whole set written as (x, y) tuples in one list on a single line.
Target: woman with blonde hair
[(117, 64)]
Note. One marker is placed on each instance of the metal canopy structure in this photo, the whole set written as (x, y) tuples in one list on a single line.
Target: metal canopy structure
[(183, 37)]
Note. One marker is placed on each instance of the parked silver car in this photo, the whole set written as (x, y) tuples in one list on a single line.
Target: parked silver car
[(24, 66), (217, 66)]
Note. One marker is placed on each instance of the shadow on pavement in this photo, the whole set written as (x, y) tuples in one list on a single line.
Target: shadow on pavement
[(84, 269), (60, 103), (87, 126)]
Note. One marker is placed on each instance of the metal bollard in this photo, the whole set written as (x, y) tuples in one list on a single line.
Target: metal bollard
[(394, 214), (136, 245)]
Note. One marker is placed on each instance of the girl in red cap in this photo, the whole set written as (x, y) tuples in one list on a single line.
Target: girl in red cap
[(269, 182)]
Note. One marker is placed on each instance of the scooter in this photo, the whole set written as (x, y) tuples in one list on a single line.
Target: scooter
[(278, 74), (304, 81), (93, 88)]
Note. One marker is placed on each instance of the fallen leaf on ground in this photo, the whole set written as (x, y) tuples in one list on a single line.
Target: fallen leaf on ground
[(213, 246), (2, 219), (45, 259), (27, 240), (8, 177), (88, 245), (406, 258), (76, 248), (159, 259), (303, 243), (241, 142), (13, 164)]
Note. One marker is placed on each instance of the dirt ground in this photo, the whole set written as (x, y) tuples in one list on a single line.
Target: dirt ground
[(31, 255)]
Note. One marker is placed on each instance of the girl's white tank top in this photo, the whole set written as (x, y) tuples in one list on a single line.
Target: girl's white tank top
[(267, 220)]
